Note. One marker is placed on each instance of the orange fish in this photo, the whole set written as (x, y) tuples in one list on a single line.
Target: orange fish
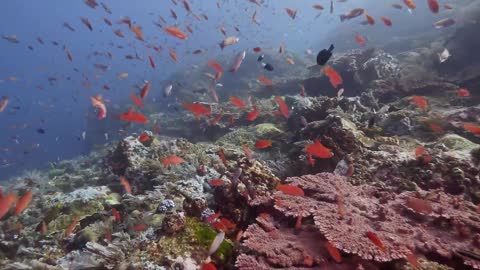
[(173, 55), (283, 106), (6, 202), (4, 103), (23, 202), (333, 251), (290, 60), (419, 205), (197, 109), (475, 129), (463, 92), (237, 102), (316, 149), (248, 152), (118, 33), (410, 4), (131, 116), (216, 182), (386, 21), (174, 31), (412, 259), (71, 227), (214, 64), (172, 160), (221, 154), (98, 103), (419, 151), (370, 19), (126, 185), (136, 100), (433, 5), (375, 240), (290, 190), (333, 76), (298, 224), (262, 144), (145, 89), (420, 101), (360, 40), (311, 161), (265, 80)]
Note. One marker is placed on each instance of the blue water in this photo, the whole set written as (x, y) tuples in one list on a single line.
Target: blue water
[(63, 109)]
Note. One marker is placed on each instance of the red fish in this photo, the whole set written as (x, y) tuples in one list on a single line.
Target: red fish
[(215, 120), (386, 21), (174, 31), (237, 102), (292, 13), (433, 5), (257, 49), (126, 185), (145, 89), (265, 80), (174, 15), (131, 116), (419, 151), (152, 63), (197, 109), (23, 202), (410, 4), (318, 7), (262, 144), (435, 127), (333, 251), (107, 21), (420, 101), (208, 266), (172, 160), (463, 92), (221, 154), (69, 55), (252, 115), (333, 76), (136, 100), (290, 190), (6, 202), (311, 161), (448, 6), (140, 227), (475, 129), (212, 217), (375, 240), (360, 40), (298, 224), (318, 150), (370, 19), (283, 106), (143, 137), (412, 259), (216, 182), (87, 23), (116, 215), (419, 205)]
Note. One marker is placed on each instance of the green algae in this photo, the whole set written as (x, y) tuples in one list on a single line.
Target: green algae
[(196, 237)]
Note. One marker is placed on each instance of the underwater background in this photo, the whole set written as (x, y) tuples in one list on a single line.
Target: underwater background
[(247, 134)]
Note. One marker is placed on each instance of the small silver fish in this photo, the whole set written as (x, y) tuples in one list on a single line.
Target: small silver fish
[(168, 90), (444, 55), (216, 242)]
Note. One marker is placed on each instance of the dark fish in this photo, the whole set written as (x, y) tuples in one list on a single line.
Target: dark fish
[(324, 55), (68, 26), (41, 131), (267, 66), (260, 57)]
